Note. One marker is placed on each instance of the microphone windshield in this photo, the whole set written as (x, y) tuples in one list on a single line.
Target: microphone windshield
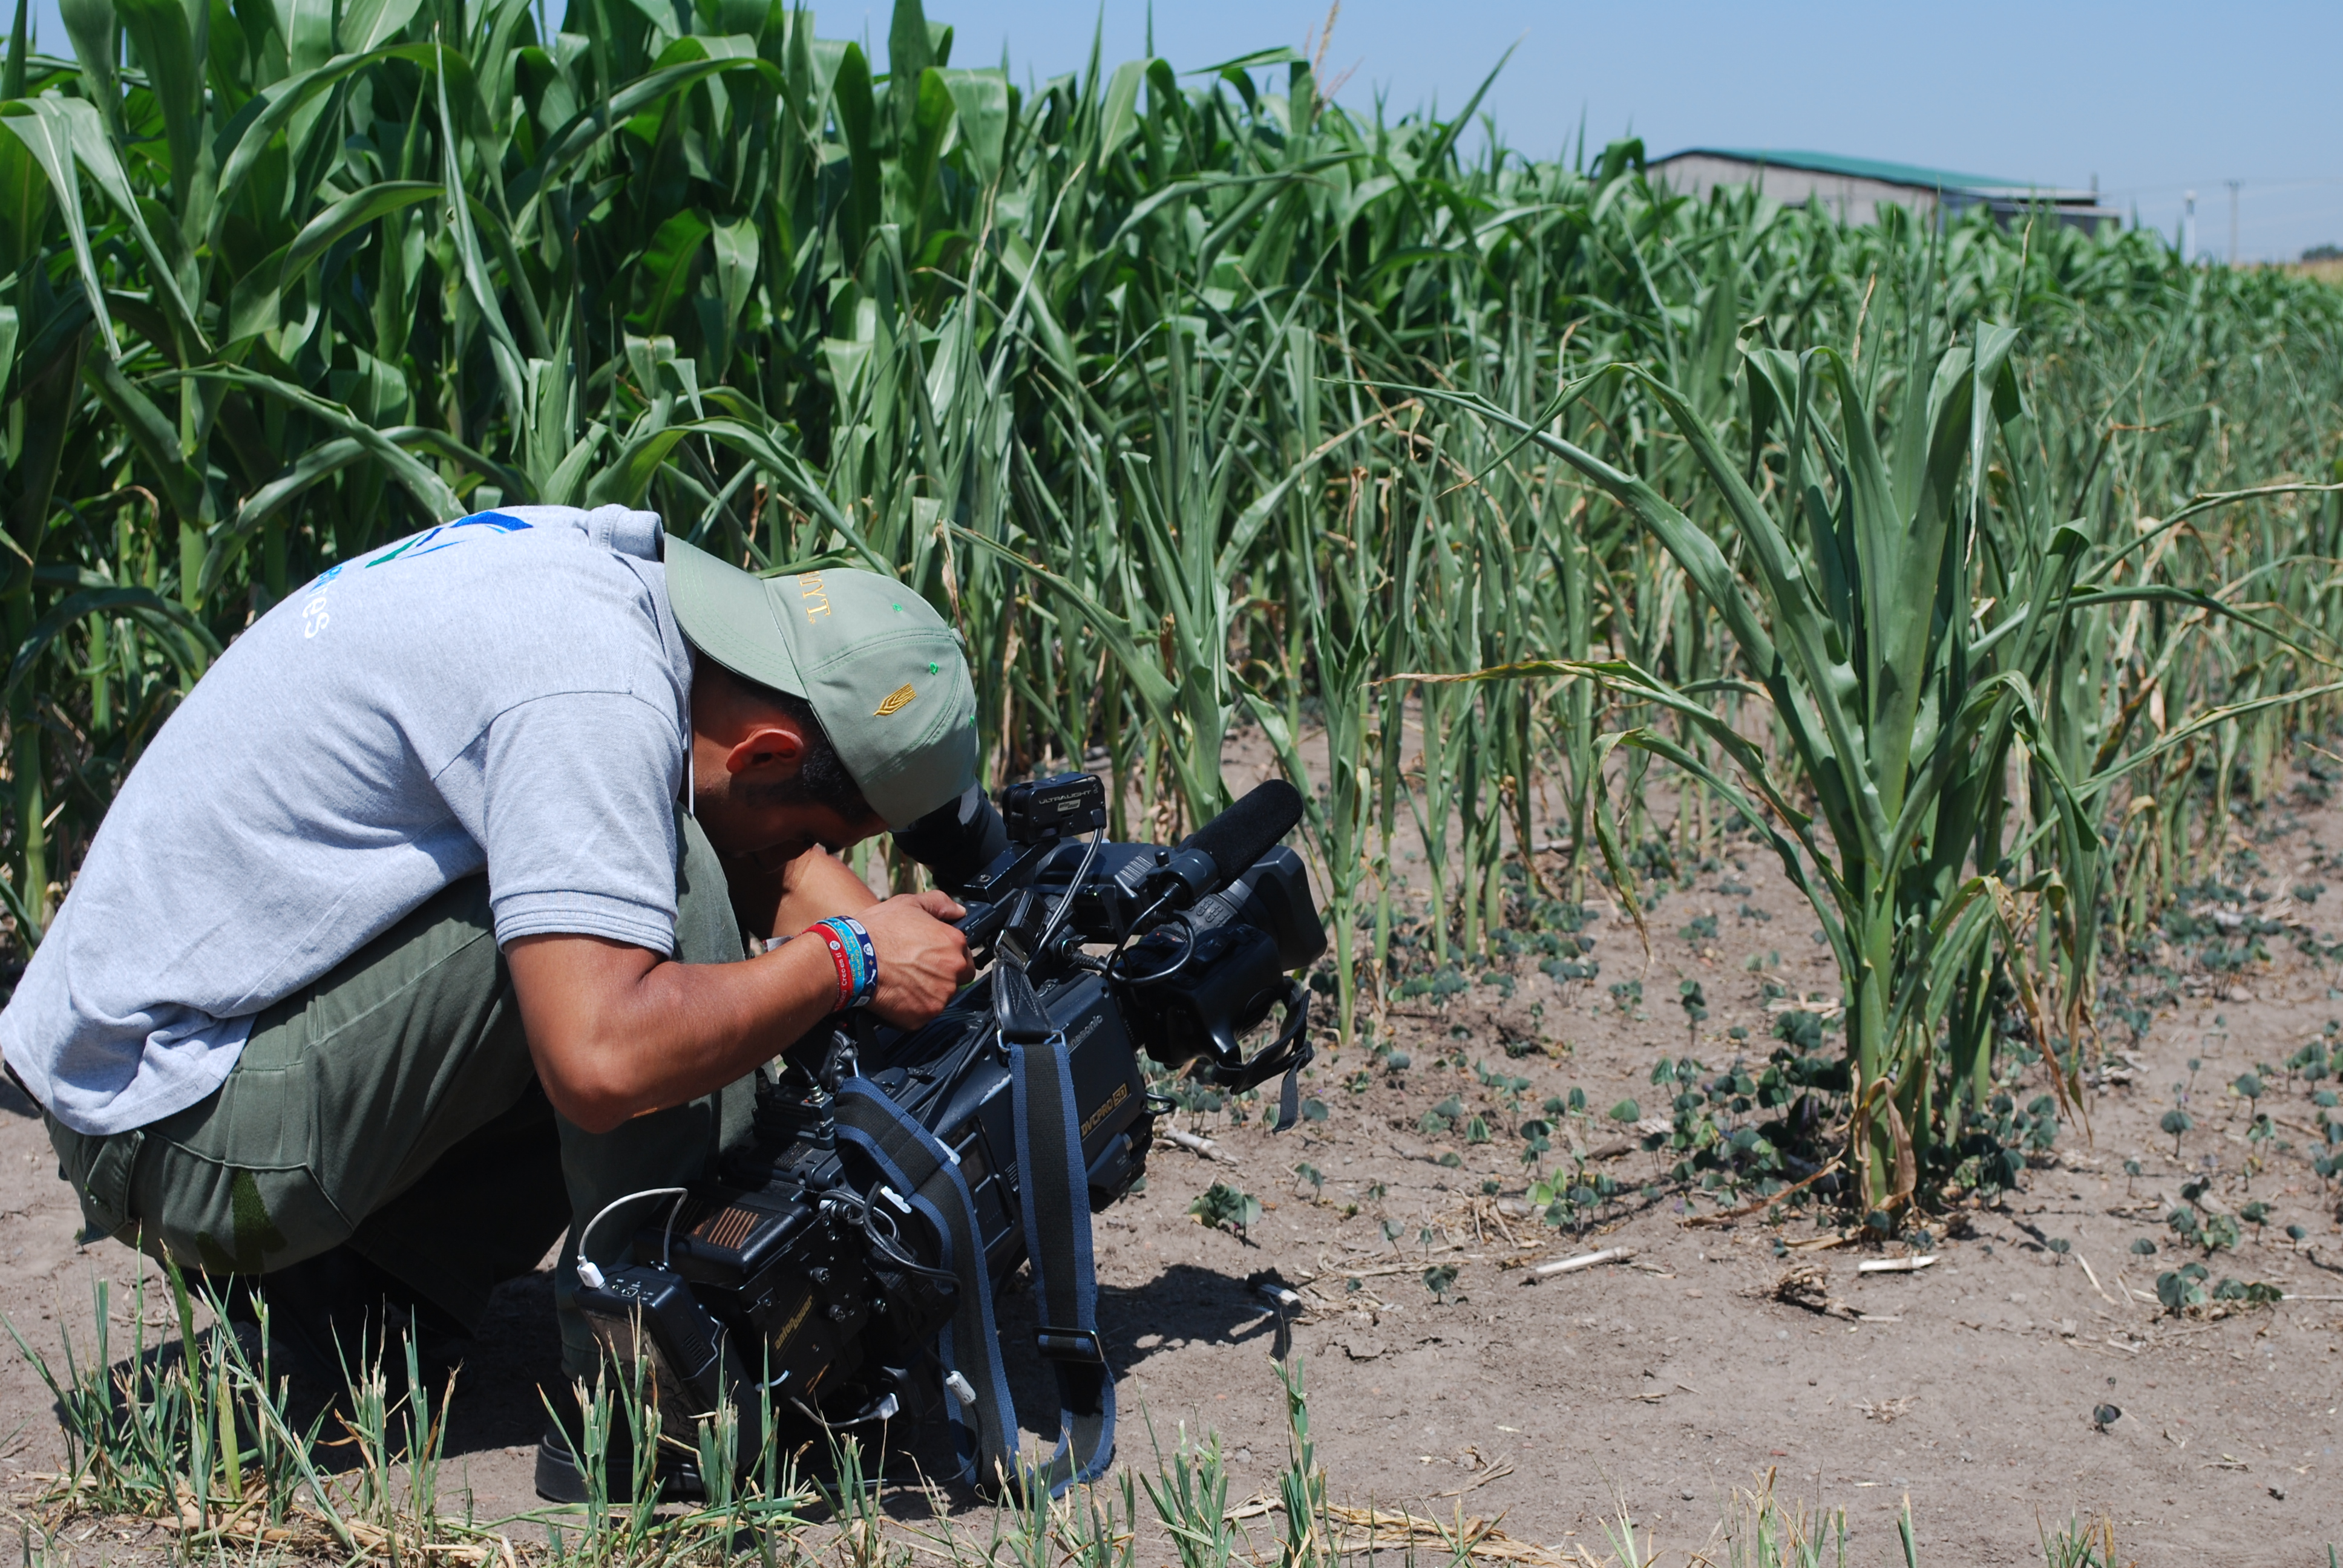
[(1249, 829)]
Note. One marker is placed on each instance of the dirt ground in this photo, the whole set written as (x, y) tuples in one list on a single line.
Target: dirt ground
[(1662, 1383)]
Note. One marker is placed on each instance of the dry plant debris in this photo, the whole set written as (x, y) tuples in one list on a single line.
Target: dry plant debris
[(1807, 1285), (1362, 1530)]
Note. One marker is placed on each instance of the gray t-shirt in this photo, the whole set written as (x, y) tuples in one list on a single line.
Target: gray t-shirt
[(509, 692)]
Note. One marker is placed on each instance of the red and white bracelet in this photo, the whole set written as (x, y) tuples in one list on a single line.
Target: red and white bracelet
[(854, 957)]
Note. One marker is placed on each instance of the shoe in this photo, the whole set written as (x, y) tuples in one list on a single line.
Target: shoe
[(562, 1478)]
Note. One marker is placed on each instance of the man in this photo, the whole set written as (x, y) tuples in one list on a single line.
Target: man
[(410, 940)]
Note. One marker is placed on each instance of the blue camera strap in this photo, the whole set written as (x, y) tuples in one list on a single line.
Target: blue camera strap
[(1053, 1186), (909, 1157)]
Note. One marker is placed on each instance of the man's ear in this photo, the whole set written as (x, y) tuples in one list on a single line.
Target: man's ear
[(774, 747)]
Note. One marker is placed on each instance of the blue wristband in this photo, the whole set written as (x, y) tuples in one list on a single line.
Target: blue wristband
[(852, 955), (861, 954)]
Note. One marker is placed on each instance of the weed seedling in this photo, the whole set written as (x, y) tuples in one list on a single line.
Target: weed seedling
[(1190, 1492), (1223, 1207), (1694, 1004), (2249, 1087), (2182, 1288), (2175, 1121)]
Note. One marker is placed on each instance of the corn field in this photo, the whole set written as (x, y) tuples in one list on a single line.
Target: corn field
[(1983, 573)]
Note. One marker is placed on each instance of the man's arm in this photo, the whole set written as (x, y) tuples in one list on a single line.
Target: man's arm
[(785, 900), (618, 1030)]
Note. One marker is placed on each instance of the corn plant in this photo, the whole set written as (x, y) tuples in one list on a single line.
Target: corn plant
[(1098, 365), (1901, 695)]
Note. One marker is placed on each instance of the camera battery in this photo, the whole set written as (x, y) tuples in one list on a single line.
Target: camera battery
[(651, 1313)]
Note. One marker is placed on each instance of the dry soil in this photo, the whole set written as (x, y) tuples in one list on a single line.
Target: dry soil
[(1663, 1383)]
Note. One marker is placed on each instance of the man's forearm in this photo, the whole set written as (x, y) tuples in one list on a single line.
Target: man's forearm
[(818, 885), (618, 1030), (666, 1035), (781, 901)]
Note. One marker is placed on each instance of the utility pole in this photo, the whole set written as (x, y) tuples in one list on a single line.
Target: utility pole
[(2189, 229), (2233, 185)]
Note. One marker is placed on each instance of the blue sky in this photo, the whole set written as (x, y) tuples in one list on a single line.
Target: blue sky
[(2152, 97), (2155, 98)]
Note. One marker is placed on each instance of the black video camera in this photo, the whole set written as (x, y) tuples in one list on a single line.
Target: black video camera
[(840, 1268)]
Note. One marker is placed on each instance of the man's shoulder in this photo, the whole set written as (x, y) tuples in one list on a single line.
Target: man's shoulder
[(440, 631), (522, 573), (516, 544)]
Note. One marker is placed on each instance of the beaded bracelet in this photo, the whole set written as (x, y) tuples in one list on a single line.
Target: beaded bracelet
[(852, 954)]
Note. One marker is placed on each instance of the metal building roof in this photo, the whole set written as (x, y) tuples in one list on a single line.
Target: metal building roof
[(1868, 168)]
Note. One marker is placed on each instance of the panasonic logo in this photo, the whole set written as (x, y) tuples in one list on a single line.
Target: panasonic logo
[(791, 1328)]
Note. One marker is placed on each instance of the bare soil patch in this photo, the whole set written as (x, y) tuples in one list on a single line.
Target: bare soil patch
[(1667, 1379)]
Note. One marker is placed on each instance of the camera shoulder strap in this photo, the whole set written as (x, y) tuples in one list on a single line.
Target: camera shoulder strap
[(1053, 1181), (911, 1158), (1054, 1191), (1053, 1185)]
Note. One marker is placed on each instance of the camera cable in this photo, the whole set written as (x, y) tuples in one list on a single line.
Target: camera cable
[(1171, 970), (862, 1210), (1065, 903), (589, 1272)]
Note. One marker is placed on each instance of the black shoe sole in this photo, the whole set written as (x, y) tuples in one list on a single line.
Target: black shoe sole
[(561, 1479)]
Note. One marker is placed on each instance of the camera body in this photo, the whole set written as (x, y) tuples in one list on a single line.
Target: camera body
[(798, 1282)]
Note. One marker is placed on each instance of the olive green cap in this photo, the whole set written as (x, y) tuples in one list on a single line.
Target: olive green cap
[(883, 672)]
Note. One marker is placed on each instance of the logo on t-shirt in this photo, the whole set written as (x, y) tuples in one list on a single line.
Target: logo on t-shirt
[(314, 619), (438, 538)]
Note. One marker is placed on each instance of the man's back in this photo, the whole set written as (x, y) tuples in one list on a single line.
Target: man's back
[(509, 692)]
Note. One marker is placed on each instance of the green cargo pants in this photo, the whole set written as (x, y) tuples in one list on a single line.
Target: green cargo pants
[(392, 1106)]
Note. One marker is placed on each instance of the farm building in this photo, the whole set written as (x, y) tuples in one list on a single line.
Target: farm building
[(1855, 188)]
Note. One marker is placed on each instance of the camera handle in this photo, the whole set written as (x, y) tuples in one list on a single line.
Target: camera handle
[(1289, 1053)]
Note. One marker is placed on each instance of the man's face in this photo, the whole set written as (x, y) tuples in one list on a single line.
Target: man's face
[(768, 839), (744, 754)]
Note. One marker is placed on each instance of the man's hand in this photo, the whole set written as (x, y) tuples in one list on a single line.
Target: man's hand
[(921, 960)]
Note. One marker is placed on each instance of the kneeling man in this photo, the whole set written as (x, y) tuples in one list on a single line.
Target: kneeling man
[(422, 931)]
